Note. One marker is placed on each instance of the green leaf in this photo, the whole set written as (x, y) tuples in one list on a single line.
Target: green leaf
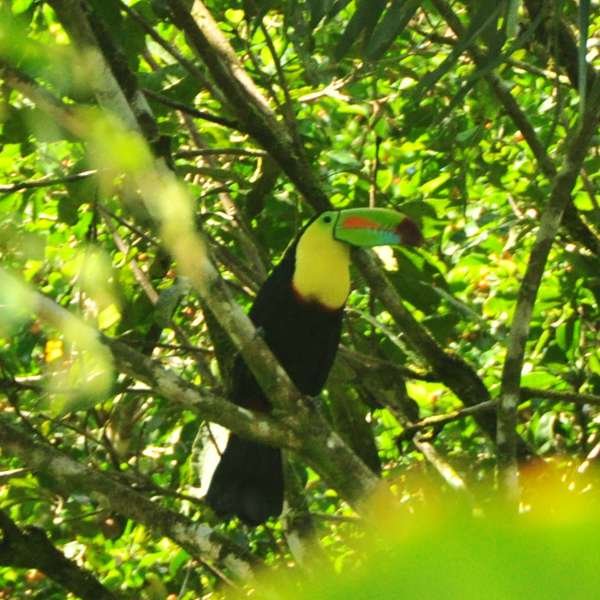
[(434, 184), (336, 8), (491, 62), (15, 128), (344, 158), (68, 209), (21, 6), (594, 362), (178, 560)]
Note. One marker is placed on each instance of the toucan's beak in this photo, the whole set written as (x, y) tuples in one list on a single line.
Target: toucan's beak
[(366, 227)]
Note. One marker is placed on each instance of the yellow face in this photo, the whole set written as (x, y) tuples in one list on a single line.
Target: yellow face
[(322, 264)]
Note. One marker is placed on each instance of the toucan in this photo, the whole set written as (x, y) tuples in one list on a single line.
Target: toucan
[(299, 311)]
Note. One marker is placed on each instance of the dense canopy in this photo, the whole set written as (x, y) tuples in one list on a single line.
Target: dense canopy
[(157, 158)]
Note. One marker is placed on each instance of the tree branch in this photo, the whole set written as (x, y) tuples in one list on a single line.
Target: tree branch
[(550, 222), (45, 182), (555, 33), (450, 369), (572, 221), (245, 99), (526, 393), (68, 476), (441, 420), (29, 548), (193, 112)]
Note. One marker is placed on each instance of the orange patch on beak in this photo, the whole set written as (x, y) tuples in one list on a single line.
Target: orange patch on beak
[(359, 223)]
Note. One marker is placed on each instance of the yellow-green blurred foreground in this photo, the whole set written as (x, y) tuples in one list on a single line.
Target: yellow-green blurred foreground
[(448, 550)]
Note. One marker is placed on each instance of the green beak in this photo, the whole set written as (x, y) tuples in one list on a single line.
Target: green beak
[(367, 227)]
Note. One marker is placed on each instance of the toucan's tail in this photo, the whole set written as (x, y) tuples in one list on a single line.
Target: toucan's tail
[(248, 482)]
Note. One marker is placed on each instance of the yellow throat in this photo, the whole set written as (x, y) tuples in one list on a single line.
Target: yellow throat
[(322, 266)]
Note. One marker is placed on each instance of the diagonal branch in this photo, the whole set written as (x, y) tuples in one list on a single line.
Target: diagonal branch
[(572, 221), (245, 99), (163, 381), (68, 476), (30, 548), (9, 188), (550, 222)]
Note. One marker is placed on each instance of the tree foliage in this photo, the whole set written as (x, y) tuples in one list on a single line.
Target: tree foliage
[(156, 158)]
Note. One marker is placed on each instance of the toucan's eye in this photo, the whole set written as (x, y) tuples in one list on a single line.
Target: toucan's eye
[(326, 219)]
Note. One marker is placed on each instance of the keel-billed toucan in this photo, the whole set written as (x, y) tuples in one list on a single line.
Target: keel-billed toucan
[(299, 311)]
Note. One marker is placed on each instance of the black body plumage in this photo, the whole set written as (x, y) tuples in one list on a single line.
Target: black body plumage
[(304, 336)]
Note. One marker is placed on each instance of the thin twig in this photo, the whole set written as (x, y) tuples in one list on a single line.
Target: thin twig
[(337, 518), (440, 420), (368, 361), (190, 110), (374, 172), (527, 393), (142, 234), (45, 182), (11, 473), (220, 152), (138, 274), (288, 112)]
